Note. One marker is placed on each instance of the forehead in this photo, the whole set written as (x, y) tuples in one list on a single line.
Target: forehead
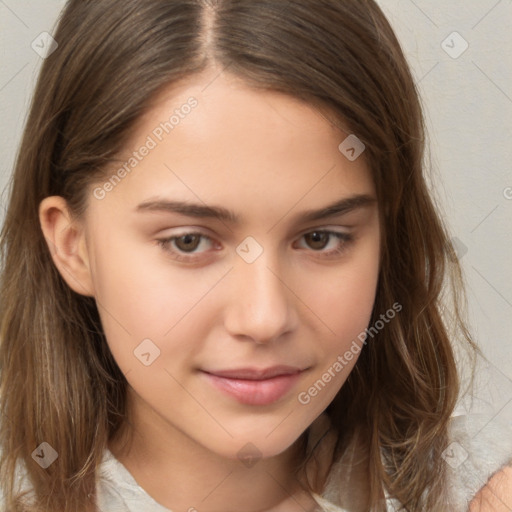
[(218, 140), (225, 104)]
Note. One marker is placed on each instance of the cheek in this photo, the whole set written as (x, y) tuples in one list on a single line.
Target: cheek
[(346, 304), (142, 296), (344, 295)]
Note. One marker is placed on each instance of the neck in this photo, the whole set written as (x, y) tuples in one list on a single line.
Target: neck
[(181, 474)]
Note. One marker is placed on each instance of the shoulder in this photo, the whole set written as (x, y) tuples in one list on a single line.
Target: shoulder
[(496, 495), (479, 460)]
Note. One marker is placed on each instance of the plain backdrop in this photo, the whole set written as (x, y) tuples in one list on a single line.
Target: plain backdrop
[(460, 52)]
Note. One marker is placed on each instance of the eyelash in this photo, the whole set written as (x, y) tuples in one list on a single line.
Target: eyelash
[(346, 239)]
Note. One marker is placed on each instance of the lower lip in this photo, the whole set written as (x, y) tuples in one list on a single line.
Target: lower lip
[(255, 392)]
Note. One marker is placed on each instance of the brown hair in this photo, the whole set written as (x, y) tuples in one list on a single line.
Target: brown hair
[(113, 57)]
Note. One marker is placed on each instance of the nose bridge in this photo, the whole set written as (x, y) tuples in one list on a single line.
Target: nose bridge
[(261, 306)]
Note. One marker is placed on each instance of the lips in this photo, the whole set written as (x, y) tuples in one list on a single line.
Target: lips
[(253, 386)]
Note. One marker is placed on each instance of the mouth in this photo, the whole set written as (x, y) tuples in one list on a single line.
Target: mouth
[(253, 386)]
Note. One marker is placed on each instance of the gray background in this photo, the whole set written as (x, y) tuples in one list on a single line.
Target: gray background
[(468, 106)]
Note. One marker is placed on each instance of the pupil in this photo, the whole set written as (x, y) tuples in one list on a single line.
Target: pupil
[(187, 242), (318, 240)]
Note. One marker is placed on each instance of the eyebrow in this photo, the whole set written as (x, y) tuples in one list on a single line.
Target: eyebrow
[(203, 211)]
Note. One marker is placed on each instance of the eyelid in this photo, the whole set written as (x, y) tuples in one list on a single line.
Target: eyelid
[(345, 239), (331, 228), (183, 256), (192, 230)]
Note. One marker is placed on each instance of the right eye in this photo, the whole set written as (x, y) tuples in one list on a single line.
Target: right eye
[(179, 246)]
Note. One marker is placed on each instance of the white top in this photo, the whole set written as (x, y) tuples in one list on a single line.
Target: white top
[(480, 447)]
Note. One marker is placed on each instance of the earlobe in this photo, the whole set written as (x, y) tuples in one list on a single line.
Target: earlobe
[(66, 241)]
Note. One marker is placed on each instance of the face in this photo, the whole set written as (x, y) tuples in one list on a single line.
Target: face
[(230, 297)]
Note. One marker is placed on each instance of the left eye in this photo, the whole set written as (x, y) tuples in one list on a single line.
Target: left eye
[(320, 239)]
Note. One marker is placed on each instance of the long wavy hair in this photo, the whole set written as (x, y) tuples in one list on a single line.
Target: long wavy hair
[(58, 380)]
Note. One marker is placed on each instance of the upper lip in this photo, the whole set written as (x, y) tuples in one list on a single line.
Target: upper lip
[(255, 373)]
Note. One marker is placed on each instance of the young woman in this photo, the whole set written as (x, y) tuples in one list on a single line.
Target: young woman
[(223, 272)]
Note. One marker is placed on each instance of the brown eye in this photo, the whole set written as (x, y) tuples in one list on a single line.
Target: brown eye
[(317, 240), (187, 247), (188, 242), (327, 244)]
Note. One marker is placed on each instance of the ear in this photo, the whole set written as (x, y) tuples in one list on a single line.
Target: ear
[(67, 243)]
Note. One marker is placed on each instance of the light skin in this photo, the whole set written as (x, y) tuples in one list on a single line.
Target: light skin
[(496, 495), (269, 159)]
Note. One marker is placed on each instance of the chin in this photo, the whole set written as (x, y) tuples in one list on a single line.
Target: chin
[(258, 443)]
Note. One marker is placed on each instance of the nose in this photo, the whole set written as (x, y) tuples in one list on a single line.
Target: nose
[(261, 304)]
